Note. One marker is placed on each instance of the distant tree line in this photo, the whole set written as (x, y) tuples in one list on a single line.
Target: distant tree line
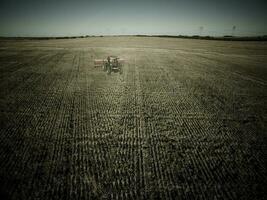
[(226, 37)]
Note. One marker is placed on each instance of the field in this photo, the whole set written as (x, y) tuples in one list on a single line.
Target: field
[(185, 120)]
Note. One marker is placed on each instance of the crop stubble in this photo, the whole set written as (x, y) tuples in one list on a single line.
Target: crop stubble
[(179, 123)]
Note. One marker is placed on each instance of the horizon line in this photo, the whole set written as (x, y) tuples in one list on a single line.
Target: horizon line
[(207, 37)]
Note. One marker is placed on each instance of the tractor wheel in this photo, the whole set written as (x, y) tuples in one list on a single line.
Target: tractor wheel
[(104, 67), (121, 70), (109, 70)]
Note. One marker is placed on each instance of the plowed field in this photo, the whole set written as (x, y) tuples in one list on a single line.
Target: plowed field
[(185, 120)]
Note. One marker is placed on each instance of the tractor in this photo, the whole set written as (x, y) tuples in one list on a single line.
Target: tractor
[(111, 64)]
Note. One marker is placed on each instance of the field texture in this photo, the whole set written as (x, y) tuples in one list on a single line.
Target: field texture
[(185, 120)]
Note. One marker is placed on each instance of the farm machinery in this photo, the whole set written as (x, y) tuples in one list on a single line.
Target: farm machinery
[(110, 64)]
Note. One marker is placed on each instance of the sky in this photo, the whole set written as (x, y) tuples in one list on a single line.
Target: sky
[(37, 18)]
